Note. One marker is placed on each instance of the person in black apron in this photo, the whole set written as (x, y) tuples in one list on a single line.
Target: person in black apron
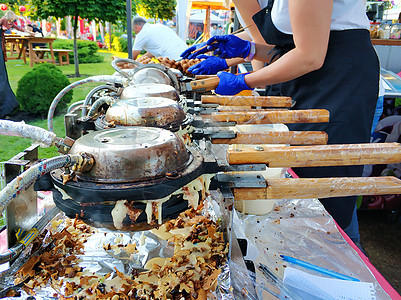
[(346, 85)]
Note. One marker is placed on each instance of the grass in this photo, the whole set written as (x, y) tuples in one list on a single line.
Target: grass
[(16, 69)]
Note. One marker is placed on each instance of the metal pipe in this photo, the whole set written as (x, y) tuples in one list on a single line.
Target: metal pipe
[(92, 92), (124, 60), (99, 102), (28, 177), (56, 100), (129, 28), (29, 236)]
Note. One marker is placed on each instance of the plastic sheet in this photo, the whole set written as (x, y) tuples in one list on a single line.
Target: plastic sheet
[(304, 230)]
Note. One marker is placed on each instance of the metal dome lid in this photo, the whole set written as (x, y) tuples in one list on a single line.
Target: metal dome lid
[(147, 111), (132, 154), (150, 90)]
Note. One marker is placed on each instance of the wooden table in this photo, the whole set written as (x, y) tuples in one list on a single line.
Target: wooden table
[(16, 44), (33, 57), (25, 43)]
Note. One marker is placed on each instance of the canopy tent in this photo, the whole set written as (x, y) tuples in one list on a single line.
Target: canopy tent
[(184, 11), (200, 16), (211, 4)]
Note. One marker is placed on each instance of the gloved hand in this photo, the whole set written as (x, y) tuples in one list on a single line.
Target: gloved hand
[(229, 46), (231, 84), (188, 52), (211, 65)]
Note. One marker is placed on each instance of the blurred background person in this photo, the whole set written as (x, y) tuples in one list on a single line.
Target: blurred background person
[(157, 40), (7, 22)]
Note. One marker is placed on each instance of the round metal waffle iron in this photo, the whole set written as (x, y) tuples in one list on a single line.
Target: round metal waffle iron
[(137, 164), (145, 111)]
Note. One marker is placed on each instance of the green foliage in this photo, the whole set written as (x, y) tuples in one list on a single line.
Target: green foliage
[(37, 89), (99, 10), (87, 50), (63, 25), (118, 44), (157, 9)]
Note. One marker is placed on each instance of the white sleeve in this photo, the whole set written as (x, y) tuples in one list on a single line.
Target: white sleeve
[(139, 42)]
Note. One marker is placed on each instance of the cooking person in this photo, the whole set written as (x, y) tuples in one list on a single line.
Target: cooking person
[(324, 59), (157, 39)]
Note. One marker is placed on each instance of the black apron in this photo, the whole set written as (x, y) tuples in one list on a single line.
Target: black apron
[(8, 102), (346, 85)]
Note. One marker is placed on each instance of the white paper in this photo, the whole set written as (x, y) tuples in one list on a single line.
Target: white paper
[(317, 287)]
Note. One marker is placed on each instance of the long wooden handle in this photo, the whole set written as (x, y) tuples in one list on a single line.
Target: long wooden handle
[(277, 137), (264, 101), (314, 156), (206, 84), (304, 188), (272, 117)]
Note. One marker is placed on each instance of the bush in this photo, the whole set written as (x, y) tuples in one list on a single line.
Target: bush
[(118, 43), (37, 89), (87, 50)]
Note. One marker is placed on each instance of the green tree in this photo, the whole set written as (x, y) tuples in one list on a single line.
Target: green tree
[(157, 9), (98, 10)]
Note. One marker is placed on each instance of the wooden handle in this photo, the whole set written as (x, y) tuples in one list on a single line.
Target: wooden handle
[(272, 117), (315, 156), (264, 101), (305, 188), (205, 84), (277, 137), (197, 77)]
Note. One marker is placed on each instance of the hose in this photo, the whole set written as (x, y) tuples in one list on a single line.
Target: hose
[(35, 133), (29, 176), (94, 91), (74, 106), (56, 100), (124, 60), (99, 102)]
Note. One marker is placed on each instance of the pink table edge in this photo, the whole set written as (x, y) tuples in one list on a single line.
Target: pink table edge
[(379, 277)]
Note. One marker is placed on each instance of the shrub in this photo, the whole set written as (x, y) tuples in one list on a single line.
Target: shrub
[(118, 43), (37, 89), (87, 50)]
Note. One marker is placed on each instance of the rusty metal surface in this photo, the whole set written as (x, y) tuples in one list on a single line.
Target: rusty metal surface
[(145, 111), (132, 153)]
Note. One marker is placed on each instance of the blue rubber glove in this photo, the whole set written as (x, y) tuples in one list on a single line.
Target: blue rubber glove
[(210, 66), (231, 84), (228, 46), (188, 52)]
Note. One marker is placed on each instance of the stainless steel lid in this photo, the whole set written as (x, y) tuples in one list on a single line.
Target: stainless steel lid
[(132, 154), (150, 90), (148, 111), (148, 74)]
